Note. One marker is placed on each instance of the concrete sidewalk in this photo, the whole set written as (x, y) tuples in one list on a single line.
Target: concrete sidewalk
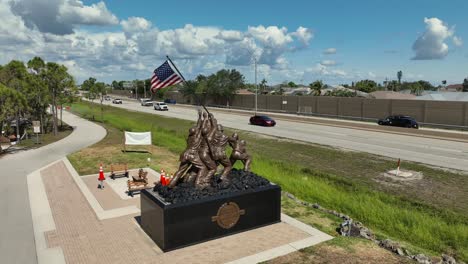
[(74, 228), (16, 230)]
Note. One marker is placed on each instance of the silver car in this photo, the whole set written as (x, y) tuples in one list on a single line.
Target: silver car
[(160, 106)]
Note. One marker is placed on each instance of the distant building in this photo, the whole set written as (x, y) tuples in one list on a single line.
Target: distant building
[(391, 95), (342, 88), (445, 96), (244, 92), (452, 88), (298, 91)]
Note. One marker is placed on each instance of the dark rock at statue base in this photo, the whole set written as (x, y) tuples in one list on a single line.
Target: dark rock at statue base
[(239, 180)]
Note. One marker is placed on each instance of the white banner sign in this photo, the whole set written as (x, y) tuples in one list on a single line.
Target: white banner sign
[(137, 138), (36, 126)]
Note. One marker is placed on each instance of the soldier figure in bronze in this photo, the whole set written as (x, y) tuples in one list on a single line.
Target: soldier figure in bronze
[(206, 149), (217, 142), (190, 157), (205, 153), (239, 152)]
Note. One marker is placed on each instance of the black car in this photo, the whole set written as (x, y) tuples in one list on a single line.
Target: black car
[(400, 121), (170, 101), (262, 120), (23, 122)]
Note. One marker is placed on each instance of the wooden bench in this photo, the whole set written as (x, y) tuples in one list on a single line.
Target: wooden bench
[(139, 183), (119, 170), (142, 176)]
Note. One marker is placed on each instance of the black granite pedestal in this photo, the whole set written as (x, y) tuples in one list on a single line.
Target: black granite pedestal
[(177, 225)]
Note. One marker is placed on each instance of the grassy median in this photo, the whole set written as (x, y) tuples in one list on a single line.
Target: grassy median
[(430, 215)]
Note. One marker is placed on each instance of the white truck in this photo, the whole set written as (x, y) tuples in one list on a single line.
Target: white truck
[(146, 102)]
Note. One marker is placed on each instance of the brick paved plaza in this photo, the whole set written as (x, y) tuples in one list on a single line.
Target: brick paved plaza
[(84, 238)]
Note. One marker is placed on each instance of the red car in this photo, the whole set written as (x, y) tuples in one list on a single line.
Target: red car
[(261, 120)]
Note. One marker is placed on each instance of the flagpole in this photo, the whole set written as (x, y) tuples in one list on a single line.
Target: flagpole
[(175, 67)]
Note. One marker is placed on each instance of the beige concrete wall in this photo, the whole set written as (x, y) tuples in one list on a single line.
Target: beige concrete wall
[(465, 119), (275, 102), (351, 107), (289, 103), (376, 108), (445, 113), (307, 104), (261, 102), (434, 112), (414, 108), (327, 105)]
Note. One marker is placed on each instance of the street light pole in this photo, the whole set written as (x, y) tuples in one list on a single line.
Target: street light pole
[(256, 86)]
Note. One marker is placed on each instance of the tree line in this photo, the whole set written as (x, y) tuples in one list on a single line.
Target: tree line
[(220, 86), (225, 83), (27, 90)]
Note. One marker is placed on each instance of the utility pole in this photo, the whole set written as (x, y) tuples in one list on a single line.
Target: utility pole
[(386, 83), (256, 86), (144, 87), (136, 89)]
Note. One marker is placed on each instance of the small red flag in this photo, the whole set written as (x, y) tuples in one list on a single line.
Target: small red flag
[(398, 165)]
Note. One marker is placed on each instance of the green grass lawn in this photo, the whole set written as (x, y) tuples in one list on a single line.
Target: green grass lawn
[(430, 215)]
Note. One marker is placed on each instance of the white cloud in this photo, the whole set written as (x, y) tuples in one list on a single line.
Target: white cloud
[(276, 41), (51, 30), (191, 41), (329, 51), (61, 16), (431, 44), (328, 63), (303, 35), (12, 28), (322, 70), (457, 41), (230, 35), (271, 36), (76, 13), (243, 52), (135, 24), (213, 66)]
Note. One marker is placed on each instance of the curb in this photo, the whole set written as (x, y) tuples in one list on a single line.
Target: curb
[(315, 237), (42, 218)]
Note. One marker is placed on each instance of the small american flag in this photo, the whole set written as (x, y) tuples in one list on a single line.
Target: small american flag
[(164, 76)]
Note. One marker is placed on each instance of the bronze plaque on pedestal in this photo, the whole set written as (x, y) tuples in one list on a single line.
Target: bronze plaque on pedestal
[(228, 215)]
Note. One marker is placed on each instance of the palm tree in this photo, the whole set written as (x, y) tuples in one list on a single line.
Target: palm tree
[(399, 75), (316, 87), (263, 86)]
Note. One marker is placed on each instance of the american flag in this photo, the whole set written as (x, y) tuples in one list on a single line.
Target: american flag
[(164, 76)]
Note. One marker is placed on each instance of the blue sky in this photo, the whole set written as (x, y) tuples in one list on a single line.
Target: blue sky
[(372, 39)]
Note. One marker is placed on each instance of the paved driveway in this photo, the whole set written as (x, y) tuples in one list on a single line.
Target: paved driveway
[(16, 231)]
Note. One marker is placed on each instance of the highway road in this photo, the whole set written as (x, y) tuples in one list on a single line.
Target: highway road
[(435, 152)]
